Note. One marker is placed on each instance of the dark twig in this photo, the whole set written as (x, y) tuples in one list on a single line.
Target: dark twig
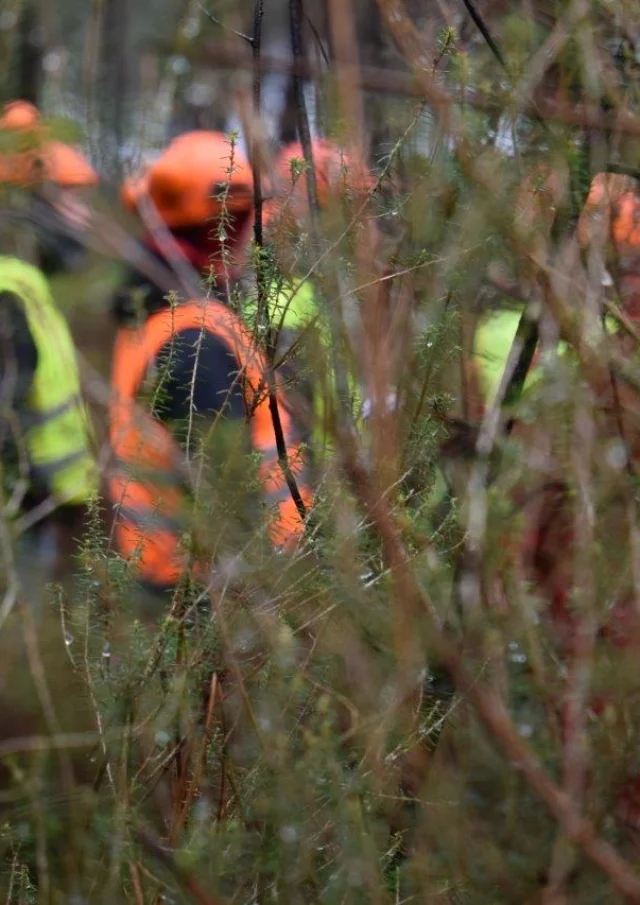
[(526, 338), (256, 46), (318, 39), (295, 23), (216, 21), (484, 31), (263, 308), (283, 457)]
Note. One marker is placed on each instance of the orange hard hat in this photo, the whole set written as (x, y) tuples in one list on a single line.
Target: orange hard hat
[(40, 158), (334, 168), (19, 115), (335, 171), (196, 178), (67, 167), (625, 225), (612, 210)]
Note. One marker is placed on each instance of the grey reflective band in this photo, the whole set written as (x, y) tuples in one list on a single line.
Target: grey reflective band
[(270, 454), (54, 465), (148, 518), (278, 496), (147, 473), (34, 419)]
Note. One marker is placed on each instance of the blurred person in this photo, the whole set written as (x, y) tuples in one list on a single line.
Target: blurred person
[(45, 434), (608, 239), (609, 229), (48, 467), (540, 196), (298, 328), (187, 377)]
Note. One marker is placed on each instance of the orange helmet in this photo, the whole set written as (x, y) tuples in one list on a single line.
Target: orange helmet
[(625, 226), (197, 177), (67, 167), (334, 168), (611, 211), (610, 221), (37, 157), (335, 171), (19, 115)]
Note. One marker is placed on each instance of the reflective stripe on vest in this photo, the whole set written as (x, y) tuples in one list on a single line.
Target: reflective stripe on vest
[(143, 447), (49, 469), (31, 419), (55, 424)]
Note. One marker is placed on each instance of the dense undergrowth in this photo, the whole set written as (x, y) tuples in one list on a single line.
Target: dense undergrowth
[(394, 712)]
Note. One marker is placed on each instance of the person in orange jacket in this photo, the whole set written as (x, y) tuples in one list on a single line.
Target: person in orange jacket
[(183, 364), (286, 216)]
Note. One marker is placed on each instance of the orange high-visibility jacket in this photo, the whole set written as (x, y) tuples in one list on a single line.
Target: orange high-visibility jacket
[(145, 486)]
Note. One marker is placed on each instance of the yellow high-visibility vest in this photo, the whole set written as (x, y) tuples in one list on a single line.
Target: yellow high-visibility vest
[(493, 341), (492, 344), (55, 425), (293, 306)]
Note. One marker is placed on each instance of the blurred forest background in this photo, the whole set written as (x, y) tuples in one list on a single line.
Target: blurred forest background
[(390, 716)]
